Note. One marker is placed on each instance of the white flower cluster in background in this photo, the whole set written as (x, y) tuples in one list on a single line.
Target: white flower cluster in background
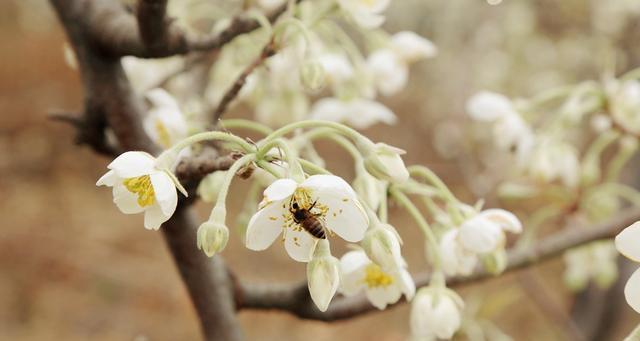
[(570, 145)]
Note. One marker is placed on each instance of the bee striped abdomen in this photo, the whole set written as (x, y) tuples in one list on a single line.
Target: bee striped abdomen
[(314, 226)]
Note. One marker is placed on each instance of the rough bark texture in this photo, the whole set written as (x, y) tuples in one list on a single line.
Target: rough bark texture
[(110, 101)]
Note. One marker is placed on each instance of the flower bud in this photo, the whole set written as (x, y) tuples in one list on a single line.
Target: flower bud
[(313, 76), (495, 262), (323, 275), (369, 188), (213, 234), (384, 162), (383, 247), (435, 313)]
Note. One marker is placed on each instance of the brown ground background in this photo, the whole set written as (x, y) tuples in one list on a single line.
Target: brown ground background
[(73, 268)]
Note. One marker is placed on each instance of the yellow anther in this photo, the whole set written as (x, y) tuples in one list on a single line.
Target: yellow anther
[(163, 134), (141, 186), (375, 277)]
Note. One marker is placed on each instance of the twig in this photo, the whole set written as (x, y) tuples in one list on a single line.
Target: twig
[(268, 51), (295, 299), (117, 33)]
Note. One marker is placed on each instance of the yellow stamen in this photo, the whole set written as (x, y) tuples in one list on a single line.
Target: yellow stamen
[(141, 186), (375, 277), (163, 134)]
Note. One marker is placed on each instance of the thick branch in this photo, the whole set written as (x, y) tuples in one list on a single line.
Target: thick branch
[(295, 299), (150, 34), (153, 24), (207, 280), (110, 101)]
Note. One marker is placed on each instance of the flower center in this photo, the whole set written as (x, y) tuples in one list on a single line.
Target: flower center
[(141, 186), (375, 277), (163, 134)]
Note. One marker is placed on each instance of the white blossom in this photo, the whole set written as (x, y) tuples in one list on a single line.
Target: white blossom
[(385, 162), (411, 47), (390, 73), (485, 232), (381, 287), (323, 276), (145, 74), (624, 103), (510, 130), (627, 243), (164, 123), (595, 261), (553, 160), (366, 13), (141, 185), (328, 197), (381, 243), (435, 314), (358, 113), (456, 260)]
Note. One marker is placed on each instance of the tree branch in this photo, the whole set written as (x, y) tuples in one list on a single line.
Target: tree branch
[(150, 34), (110, 101), (268, 51), (295, 299)]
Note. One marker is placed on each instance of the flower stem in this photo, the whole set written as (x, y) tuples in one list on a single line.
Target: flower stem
[(340, 140), (231, 173), (343, 129), (238, 123), (295, 170), (429, 175), (168, 156), (422, 223)]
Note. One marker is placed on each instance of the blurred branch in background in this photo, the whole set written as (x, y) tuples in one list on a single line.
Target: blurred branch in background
[(294, 298)]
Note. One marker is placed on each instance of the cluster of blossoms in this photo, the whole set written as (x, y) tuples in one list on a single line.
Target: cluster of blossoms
[(570, 145), (317, 73), (308, 208)]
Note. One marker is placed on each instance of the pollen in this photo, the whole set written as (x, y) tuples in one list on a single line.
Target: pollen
[(375, 277), (163, 134), (142, 187)]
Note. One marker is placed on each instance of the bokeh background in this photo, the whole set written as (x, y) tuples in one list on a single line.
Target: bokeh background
[(73, 268)]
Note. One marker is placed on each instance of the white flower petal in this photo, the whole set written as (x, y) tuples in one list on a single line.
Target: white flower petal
[(165, 192), (330, 184), (154, 217), (412, 47), (364, 113), (280, 189), (300, 244), (133, 164), (507, 220), (389, 72), (406, 284), (161, 98), (329, 109), (265, 226), (126, 201), (109, 179), (352, 270), (345, 217), (323, 278), (489, 106), (628, 242), (480, 235), (632, 291), (368, 20), (380, 297)]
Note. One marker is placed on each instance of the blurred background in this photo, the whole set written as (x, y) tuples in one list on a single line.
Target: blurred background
[(73, 268)]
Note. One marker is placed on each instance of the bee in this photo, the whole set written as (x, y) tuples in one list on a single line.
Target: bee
[(309, 221)]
